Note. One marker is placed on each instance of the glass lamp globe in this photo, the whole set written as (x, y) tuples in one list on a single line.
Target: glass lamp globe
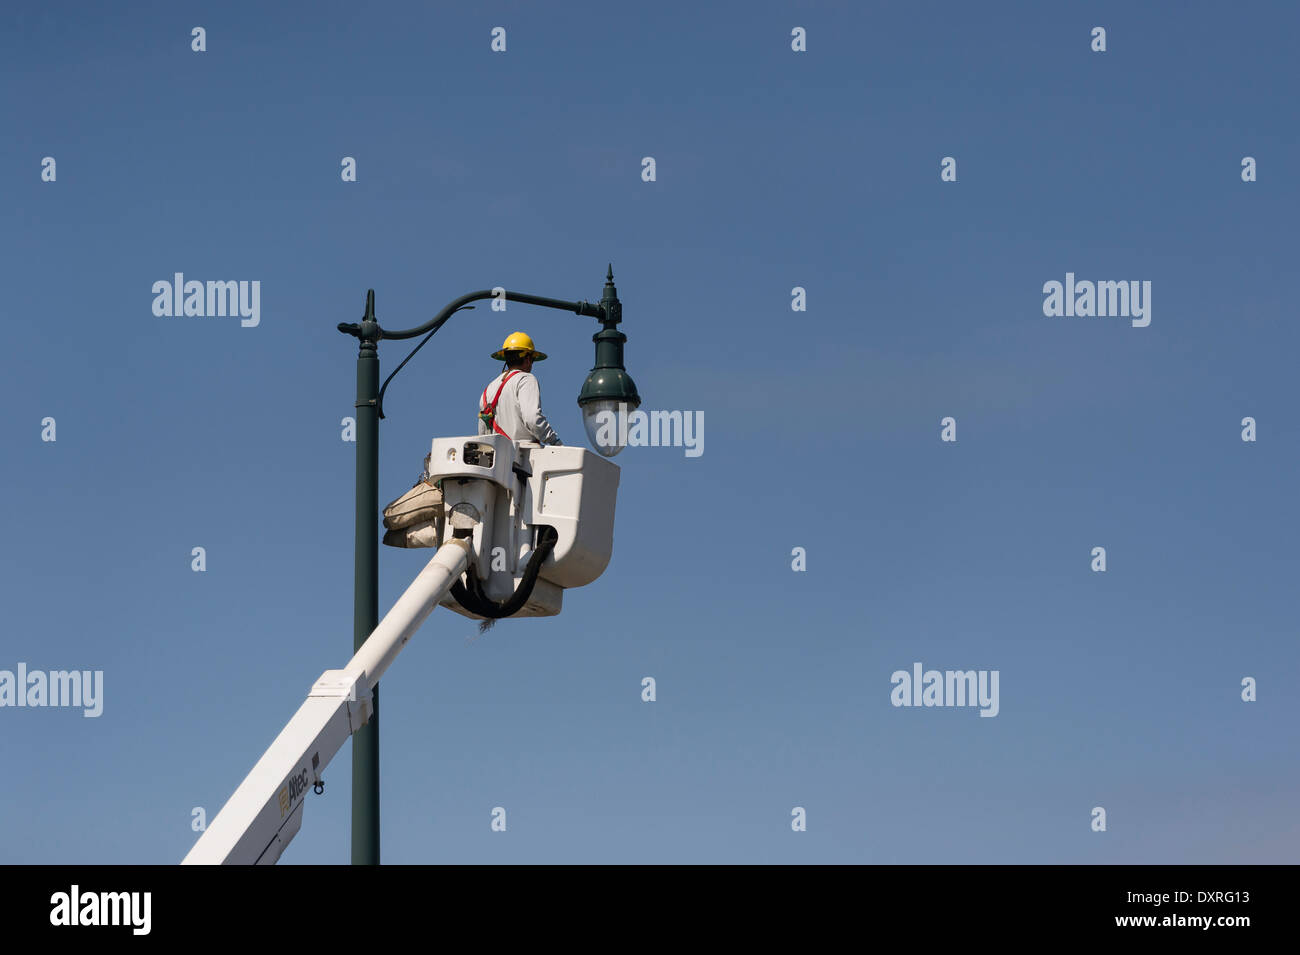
[(606, 422)]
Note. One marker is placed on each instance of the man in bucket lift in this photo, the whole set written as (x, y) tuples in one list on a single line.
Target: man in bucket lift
[(511, 405), (512, 402)]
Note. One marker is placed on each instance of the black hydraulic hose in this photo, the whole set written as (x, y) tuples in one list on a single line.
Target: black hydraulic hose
[(475, 601)]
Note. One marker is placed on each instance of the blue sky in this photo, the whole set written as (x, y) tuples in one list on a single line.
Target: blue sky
[(775, 169)]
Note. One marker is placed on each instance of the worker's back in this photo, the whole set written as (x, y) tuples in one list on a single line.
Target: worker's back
[(518, 413)]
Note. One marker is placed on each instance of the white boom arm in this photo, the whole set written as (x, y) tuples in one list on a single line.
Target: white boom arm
[(265, 812)]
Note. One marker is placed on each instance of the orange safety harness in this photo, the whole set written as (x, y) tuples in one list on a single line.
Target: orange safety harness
[(489, 413)]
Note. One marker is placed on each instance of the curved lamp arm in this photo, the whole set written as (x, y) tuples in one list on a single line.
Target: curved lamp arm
[(609, 341), (593, 310), (608, 310)]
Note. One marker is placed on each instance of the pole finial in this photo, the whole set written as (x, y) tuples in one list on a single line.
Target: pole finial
[(609, 273)]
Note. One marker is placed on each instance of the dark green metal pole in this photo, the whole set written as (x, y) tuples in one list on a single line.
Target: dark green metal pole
[(365, 612)]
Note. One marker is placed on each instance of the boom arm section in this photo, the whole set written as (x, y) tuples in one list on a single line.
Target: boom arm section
[(265, 812)]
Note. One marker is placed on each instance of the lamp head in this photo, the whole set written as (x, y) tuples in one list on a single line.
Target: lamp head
[(609, 393)]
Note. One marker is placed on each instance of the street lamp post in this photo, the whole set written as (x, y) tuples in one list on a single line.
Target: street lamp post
[(607, 385)]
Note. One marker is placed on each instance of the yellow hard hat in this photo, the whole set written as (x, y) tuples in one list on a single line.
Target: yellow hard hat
[(519, 342)]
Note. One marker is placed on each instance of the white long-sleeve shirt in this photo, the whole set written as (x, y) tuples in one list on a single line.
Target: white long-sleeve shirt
[(519, 412)]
